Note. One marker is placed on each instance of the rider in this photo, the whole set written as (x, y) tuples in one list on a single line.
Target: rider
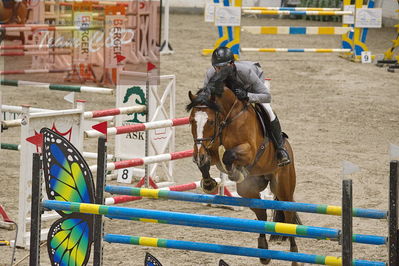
[(248, 83)]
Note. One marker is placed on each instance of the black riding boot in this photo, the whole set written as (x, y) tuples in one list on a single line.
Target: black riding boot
[(277, 137)]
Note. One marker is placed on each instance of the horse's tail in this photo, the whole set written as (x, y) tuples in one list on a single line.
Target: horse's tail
[(279, 217)]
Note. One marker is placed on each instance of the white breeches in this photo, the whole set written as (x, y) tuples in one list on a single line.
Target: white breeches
[(269, 110), (267, 106)]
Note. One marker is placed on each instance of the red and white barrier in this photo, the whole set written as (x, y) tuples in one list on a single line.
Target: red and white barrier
[(33, 71), (114, 111), (139, 127), (146, 160)]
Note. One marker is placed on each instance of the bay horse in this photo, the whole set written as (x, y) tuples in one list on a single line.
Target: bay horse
[(227, 133), (13, 12)]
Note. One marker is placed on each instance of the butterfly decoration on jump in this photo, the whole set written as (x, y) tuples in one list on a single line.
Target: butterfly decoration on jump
[(68, 178)]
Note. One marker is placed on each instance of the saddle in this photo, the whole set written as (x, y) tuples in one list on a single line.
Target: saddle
[(264, 119)]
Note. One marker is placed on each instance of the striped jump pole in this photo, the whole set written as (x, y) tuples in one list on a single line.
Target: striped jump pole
[(59, 87), (35, 53), (146, 160), (9, 146), (33, 27), (86, 115), (183, 187), (139, 127), (299, 13), (233, 250), (356, 238), (296, 30), (240, 224), (291, 8), (245, 202), (33, 71), (295, 50), (98, 4), (208, 221), (115, 111), (33, 46)]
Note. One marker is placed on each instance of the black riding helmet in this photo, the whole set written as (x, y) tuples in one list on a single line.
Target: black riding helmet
[(222, 56)]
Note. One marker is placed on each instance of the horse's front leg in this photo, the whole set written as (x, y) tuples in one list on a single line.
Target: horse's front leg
[(208, 184), (235, 161)]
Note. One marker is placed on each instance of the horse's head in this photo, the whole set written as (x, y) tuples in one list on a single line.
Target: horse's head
[(210, 109)]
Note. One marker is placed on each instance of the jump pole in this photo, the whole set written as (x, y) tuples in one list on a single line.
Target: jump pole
[(232, 250), (139, 127), (60, 87), (33, 71), (146, 160), (244, 202)]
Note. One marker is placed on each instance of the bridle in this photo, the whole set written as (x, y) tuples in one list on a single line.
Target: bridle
[(218, 127)]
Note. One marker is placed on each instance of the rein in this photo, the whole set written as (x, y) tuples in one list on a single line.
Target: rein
[(218, 128)]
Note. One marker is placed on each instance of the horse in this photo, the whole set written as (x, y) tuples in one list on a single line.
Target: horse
[(227, 133), (16, 12)]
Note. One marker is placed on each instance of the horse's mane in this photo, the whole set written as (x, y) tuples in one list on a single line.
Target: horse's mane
[(204, 97)]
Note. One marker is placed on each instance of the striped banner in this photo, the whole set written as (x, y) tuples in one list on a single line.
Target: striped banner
[(300, 13), (146, 160), (139, 127), (297, 30), (59, 87), (233, 250), (296, 50)]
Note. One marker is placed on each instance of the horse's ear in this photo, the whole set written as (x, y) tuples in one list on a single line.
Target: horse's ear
[(191, 96)]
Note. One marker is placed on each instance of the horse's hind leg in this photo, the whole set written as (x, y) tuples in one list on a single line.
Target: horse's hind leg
[(251, 188)]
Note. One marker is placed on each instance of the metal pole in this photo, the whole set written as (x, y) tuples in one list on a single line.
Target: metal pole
[(34, 257), (393, 214), (346, 236), (100, 184)]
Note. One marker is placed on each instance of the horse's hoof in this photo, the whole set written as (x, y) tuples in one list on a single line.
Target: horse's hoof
[(210, 187), (262, 243), (265, 261)]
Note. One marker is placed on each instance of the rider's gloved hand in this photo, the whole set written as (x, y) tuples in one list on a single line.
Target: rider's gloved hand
[(241, 94)]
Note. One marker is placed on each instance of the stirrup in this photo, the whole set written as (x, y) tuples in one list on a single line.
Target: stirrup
[(284, 158)]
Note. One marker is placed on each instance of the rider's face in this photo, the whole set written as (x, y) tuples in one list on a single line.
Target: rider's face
[(218, 68)]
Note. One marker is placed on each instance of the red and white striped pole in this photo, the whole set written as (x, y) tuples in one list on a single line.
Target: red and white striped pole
[(139, 127), (114, 111), (146, 160)]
